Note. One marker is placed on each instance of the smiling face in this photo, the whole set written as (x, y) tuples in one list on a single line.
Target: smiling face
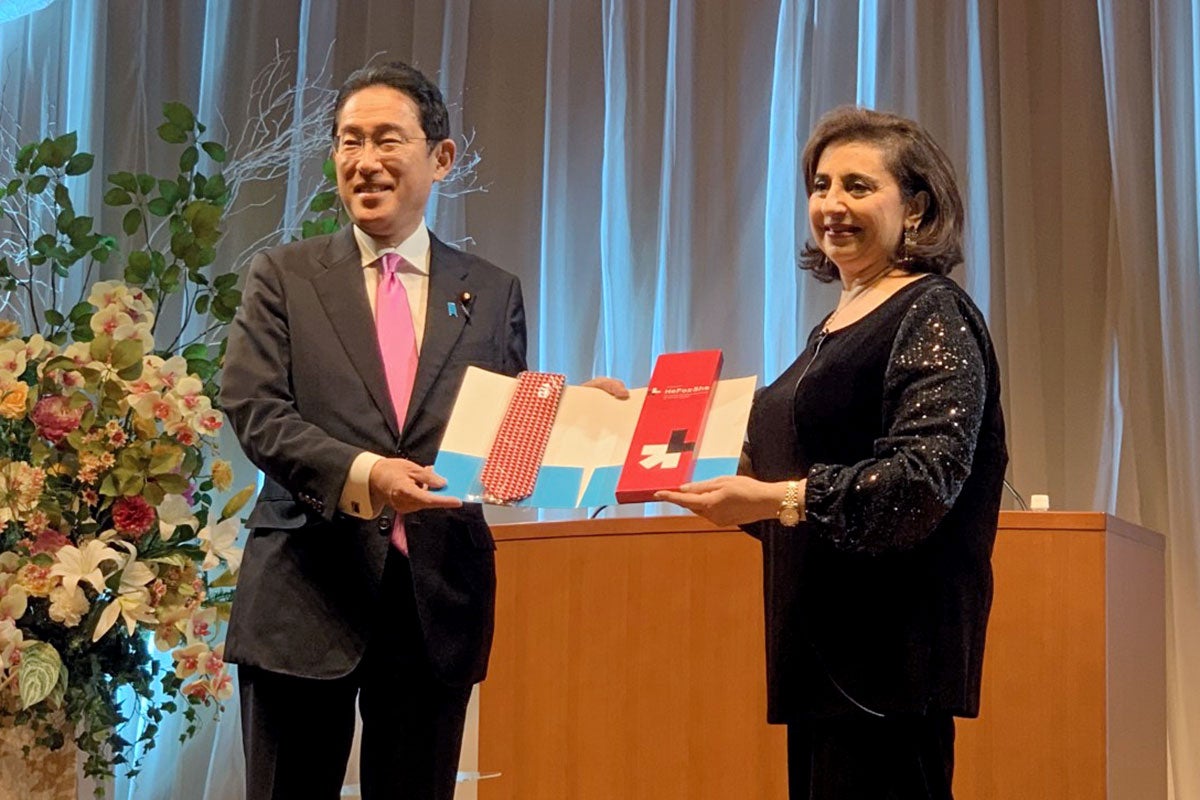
[(385, 168), (857, 211)]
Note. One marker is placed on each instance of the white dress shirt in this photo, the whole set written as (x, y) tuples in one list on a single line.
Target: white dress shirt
[(356, 499)]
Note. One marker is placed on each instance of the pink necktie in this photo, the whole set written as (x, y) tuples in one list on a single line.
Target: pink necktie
[(398, 347)]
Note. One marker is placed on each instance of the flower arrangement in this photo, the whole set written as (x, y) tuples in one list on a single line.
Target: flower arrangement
[(110, 542)]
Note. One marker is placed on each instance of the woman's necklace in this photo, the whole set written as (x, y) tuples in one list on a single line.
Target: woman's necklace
[(854, 293)]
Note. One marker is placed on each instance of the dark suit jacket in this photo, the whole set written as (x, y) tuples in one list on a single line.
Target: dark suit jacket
[(305, 391)]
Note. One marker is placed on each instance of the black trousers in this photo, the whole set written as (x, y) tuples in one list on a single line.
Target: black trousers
[(297, 732), (854, 756)]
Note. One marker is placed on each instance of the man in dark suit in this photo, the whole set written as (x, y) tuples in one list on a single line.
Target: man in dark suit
[(358, 580)]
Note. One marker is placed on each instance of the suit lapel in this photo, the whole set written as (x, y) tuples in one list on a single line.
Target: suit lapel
[(447, 282), (343, 293)]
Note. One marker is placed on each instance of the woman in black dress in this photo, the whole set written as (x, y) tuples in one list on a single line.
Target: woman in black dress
[(872, 474)]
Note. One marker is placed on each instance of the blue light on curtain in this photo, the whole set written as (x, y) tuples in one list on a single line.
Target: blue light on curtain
[(672, 298), (979, 236), (615, 352), (784, 192), (868, 38), (15, 9)]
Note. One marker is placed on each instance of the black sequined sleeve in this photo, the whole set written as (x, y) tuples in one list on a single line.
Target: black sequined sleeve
[(933, 400)]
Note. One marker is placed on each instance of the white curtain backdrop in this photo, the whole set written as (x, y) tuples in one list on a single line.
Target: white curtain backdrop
[(640, 174)]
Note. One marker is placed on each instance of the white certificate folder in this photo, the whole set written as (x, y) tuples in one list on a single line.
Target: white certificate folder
[(588, 443)]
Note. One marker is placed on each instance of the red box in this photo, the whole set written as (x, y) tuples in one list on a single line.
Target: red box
[(663, 451)]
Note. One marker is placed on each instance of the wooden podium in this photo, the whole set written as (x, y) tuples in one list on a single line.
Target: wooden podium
[(628, 665)]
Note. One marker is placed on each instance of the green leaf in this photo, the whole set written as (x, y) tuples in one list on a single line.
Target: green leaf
[(124, 180), (169, 191), (132, 221), (215, 151), (138, 270), (322, 201), (101, 347), (329, 170), (159, 207), (181, 241), (23, 160), (146, 183), (66, 145), (171, 483), (236, 502), (225, 305), (62, 197), (126, 353), (171, 278), (188, 158), (165, 458), (80, 163), (171, 133), (224, 580), (130, 373), (79, 229), (13, 187), (173, 559), (224, 281), (37, 184), (215, 188), (200, 257), (60, 689), (38, 673), (204, 218), (153, 493), (54, 317), (44, 243), (179, 115), (117, 197), (197, 350)]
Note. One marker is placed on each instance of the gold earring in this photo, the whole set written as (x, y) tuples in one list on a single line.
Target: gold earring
[(907, 244)]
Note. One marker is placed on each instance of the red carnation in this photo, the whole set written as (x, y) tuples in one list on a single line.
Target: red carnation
[(48, 541), (55, 418), (132, 516)]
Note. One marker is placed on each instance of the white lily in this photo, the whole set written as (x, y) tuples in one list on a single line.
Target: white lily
[(218, 543), (75, 565), (132, 602)]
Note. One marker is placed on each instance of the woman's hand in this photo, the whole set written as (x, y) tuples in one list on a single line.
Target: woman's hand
[(730, 499)]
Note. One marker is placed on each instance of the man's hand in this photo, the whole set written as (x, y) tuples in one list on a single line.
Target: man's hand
[(614, 386), (405, 486)]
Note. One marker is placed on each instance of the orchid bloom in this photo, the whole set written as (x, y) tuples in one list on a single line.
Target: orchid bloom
[(218, 543), (187, 659), (174, 511)]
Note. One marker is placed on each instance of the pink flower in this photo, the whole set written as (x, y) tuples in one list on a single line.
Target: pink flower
[(132, 516), (48, 541), (55, 418)]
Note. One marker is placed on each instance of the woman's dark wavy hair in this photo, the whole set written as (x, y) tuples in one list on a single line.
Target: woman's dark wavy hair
[(917, 164), (408, 80)]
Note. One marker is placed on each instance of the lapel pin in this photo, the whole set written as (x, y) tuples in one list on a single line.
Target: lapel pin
[(452, 309)]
